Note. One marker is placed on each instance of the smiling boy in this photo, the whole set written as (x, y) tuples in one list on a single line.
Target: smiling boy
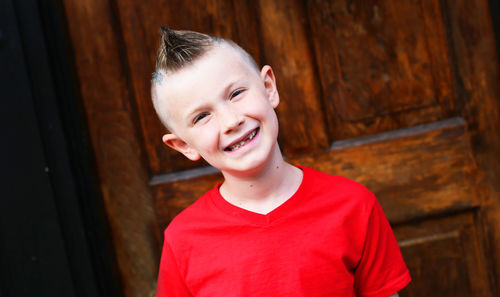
[(271, 228)]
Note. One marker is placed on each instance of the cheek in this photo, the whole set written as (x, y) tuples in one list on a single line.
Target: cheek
[(257, 108), (274, 123), (206, 137)]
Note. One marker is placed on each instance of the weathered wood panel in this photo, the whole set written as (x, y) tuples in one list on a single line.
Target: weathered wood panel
[(383, 64), (442, 255), (105, 93), (344, 70), (286, 47), (478, 77)]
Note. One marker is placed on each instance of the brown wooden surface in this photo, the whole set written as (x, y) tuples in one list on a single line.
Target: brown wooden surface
[(106, 96), (357, 79), (383, 64), (442, 255), (477, 68), (302, 125)]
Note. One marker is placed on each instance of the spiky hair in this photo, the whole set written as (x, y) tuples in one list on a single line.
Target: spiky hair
[(180, 48)]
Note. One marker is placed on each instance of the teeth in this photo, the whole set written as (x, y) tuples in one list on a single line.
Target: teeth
[(241, 143)]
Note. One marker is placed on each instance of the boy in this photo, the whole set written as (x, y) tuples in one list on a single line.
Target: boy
[(270, 229)]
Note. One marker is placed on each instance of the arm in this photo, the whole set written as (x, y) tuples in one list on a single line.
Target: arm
[(394, 295), (381, 268), (170, 282)]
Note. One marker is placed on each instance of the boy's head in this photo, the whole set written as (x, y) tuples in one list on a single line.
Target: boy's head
[(215, 102), (179, 49)]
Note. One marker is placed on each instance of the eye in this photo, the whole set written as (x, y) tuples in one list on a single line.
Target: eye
[(237, 92), (199, 117)]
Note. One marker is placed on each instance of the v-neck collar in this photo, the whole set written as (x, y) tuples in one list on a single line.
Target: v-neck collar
[(254, 218)]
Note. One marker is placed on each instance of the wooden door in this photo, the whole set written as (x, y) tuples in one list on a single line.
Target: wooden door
[(401, 96)]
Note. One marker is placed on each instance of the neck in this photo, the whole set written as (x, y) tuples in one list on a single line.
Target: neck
[(264, 189)]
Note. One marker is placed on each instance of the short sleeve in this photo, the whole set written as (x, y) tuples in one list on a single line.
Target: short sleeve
[(170, 282), (381, 271)]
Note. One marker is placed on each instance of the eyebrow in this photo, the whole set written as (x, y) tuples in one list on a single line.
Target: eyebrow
[(225, 91), (230, 86)]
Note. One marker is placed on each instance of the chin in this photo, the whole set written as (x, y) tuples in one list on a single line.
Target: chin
[(249, 167)]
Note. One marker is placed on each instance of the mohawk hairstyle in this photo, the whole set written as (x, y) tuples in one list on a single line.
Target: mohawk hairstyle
[(180, 48)]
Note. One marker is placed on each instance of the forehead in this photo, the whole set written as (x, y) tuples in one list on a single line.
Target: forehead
[(217, 63), (204, 79)]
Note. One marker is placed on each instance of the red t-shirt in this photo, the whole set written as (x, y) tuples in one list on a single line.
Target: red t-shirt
[(331, 238)]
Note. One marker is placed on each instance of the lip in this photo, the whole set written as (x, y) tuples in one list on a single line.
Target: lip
[(239, 139)]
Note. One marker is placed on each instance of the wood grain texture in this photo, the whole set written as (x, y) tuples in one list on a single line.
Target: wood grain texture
[(442, 255), (287, 49), (478, 75), (344, 70), (383, 64), (123, 179), (128, 203)]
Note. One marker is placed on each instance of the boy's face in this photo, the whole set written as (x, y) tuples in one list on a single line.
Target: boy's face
[(222, 109)]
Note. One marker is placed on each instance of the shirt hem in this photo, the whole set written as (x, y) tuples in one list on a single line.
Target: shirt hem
[(392, 288)]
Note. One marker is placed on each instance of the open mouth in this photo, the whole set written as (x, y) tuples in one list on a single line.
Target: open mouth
[(244, 141)]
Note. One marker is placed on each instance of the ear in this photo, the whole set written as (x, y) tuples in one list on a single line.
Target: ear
[(181, 146), (267, 76)]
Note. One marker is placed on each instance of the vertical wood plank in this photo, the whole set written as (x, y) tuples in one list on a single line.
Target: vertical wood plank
[(478, 74), (283, 28), (105, 93)]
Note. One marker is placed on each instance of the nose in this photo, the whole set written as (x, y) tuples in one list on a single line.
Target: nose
[(230, 119)]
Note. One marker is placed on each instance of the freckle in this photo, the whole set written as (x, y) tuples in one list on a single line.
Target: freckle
[(277, 167), (251, 186)]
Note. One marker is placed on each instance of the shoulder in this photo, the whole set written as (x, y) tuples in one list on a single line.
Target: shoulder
[(321, 183), (342, 196), (191, 217)]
